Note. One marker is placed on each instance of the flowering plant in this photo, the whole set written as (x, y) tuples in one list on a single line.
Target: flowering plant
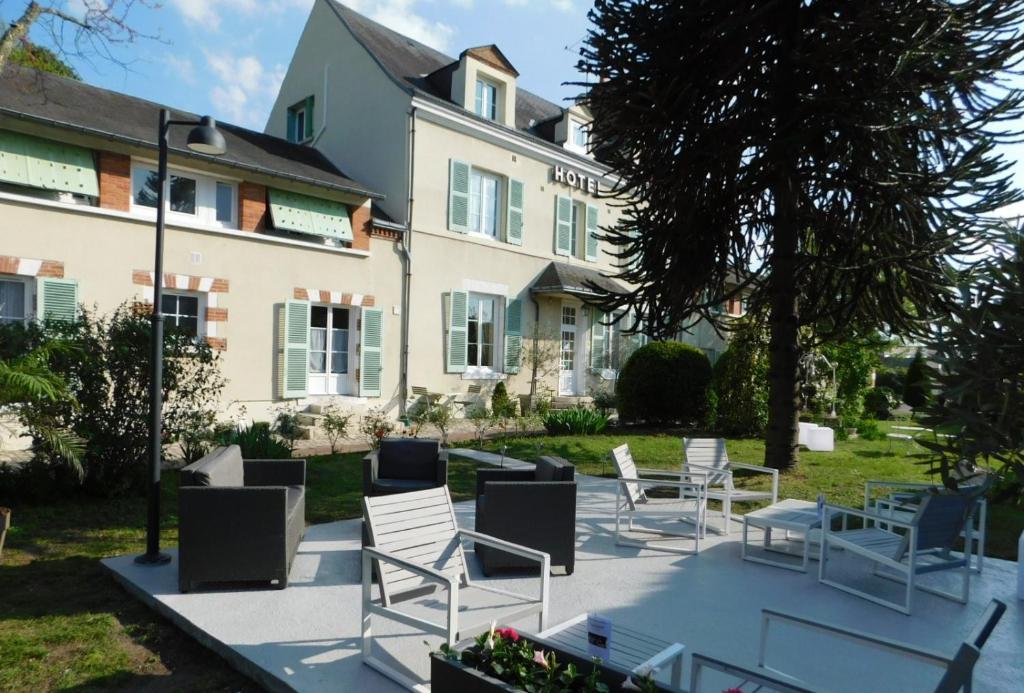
[(503, 654)]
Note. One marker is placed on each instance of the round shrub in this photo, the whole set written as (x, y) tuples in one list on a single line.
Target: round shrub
[(664, 382), (740, 385), (879, 402)]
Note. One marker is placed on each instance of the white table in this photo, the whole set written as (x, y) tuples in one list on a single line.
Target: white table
[(790, 516), (632, 652)]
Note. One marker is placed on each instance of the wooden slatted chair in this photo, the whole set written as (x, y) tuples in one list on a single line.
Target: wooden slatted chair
[(709, 456), (632, 501), (924, 545), (416, 543)]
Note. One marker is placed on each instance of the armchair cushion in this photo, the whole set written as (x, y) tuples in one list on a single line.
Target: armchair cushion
[(554, 469), (408, 458), (383, 487), (221, 467)]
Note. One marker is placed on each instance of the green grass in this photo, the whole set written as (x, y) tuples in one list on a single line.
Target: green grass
[(64, 623)]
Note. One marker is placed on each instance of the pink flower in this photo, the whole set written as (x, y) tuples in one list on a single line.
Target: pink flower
[(508, 634), (539, 658)]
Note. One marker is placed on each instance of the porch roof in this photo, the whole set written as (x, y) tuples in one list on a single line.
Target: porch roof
[(574, 280)]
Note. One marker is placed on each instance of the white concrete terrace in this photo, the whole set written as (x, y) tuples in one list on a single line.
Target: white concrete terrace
[(307, 637)]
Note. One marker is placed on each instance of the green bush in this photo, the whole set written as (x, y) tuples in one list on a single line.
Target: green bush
[(502, 405), (663, 383), (917, 388), (576, 421), (868, 429), (604, 400), (879, 402), (257, 441), (892, 378), (740, 385)]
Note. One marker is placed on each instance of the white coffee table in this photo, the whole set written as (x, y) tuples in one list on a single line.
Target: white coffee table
[(792, 517)]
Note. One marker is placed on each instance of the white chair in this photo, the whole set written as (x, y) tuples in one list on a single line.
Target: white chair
[(632, 501), (958, 670), (898, 499), (924, 547), (708, 456), (416, 546)]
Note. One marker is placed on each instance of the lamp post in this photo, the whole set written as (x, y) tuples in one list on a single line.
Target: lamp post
[(204, 138)]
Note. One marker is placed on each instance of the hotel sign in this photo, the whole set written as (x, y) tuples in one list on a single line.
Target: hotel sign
[(574, 179)]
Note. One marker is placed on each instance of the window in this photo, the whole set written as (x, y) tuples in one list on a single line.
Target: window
[(189, 196), (328, 340), (181, 313), (486, 99), (14, 296), (480, 337), (483, 203), (579, 137), (300, 121)]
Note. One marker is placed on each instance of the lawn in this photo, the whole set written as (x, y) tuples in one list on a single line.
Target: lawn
[(66, 624)]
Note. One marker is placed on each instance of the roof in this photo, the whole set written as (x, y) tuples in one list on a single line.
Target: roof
[(410, 62), (47, 99), (563, 278)]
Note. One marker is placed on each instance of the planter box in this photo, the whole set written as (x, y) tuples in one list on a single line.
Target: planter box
[(450, 676)]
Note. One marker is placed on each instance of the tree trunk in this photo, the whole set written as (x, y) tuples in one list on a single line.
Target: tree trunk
[(17, 31), (780, 450)]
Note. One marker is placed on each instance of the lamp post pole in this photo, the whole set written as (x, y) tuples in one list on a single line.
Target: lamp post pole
[(204, 139)]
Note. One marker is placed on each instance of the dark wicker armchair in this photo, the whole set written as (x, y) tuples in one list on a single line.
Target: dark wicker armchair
[(534, 508), (404, 464)]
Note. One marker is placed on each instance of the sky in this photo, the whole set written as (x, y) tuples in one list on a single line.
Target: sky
[(226, 58)]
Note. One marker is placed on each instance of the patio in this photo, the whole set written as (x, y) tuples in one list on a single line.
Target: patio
[(307, 637)]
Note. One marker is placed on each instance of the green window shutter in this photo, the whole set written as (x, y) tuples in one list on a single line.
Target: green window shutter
[(598, 336), (290, 134), (309, 117), (516, 191), (371, 361), (296, 349), (592, 231), (57, 300), (458, 329), (310, 215), (563, 225), (513, 334), (39, 163), (458, 196)]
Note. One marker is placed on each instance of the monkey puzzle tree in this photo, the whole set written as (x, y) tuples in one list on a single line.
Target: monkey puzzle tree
[(825, 157)]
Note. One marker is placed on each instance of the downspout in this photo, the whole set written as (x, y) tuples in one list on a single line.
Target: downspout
[(406, 246)]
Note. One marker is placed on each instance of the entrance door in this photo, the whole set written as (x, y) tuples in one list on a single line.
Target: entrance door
[(567, 373), (328, 350)]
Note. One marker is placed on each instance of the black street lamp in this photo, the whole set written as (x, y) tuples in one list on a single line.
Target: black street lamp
[(204, 138)]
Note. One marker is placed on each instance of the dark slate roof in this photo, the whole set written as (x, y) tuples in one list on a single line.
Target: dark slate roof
[(66, 103), (411, 62), (562, 278)]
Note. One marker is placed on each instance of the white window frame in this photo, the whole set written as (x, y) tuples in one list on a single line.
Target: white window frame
[(476, 197), (577, 126), (27, 310), (206, 196), (498, 349), (200, 310), (482, 107), (348, 379)]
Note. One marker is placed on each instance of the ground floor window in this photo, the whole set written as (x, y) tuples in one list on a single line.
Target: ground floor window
[(330, 348), (14, 298), (481, 331), (181, 313)]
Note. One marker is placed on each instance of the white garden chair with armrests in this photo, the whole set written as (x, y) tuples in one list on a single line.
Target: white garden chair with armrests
[(708, 456), (631, 501), (924, 546), (958, 669), (416, 544), (899, 500)]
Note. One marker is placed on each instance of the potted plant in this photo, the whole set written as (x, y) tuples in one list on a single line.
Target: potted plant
[(502, 660), (5, 523)]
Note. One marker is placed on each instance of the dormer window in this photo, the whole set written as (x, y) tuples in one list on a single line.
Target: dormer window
[(579, 135), (486, 99), (300, 121)]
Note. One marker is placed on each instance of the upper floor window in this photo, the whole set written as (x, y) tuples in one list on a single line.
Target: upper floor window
[(189, 196), (579, 135), (484, 194), (486, 99), (14, 297), (300, 120)]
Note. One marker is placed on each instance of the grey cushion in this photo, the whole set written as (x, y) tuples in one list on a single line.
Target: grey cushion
[(222, 467), (385, 486), (294, 502), (408, 458), (554, 469)]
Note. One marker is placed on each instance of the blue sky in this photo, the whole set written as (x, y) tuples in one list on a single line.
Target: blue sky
[(226, 58)]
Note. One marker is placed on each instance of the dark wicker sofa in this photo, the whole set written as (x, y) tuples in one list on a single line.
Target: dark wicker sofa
[(535, 508), (239, 520)]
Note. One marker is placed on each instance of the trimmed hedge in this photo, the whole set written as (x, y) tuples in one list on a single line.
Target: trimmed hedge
[(664, 382)]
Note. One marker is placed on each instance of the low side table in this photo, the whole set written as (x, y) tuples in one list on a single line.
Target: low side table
[(632, 652), (788, 515)]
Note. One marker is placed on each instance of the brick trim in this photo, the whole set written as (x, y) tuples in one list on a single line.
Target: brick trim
[(335, 297), (252, 207), (31, 267), (216, 314), (115, 181), (362, 227), (211, 286), (384, 234), (218, 343)]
